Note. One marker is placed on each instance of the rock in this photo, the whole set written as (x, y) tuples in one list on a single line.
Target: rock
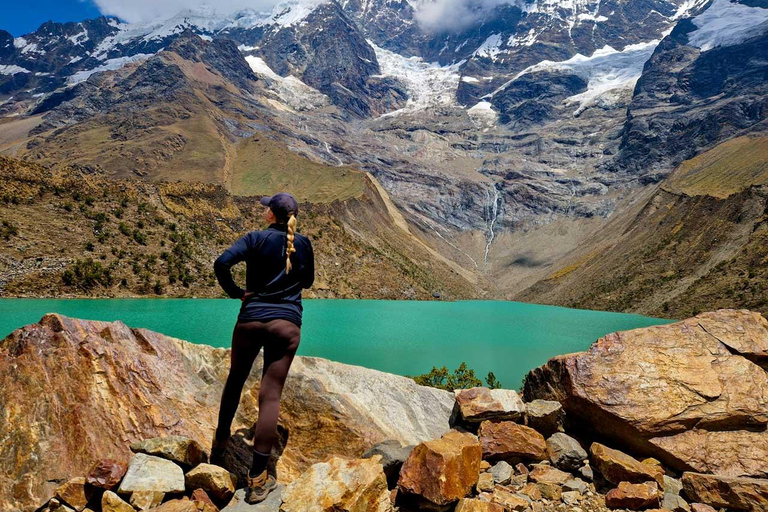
[(270, 504), (442, 470), (548, 474), (701, 507), (75, 493), (689, 392), (393, 455), (484, 482), (674, 502), (106, 474), (734, 493), (521, 468), (159, 386), (508, 500), (587, 473), (518, 481), (179, 449), (577, 485), (544, 416), (478, 404), (617, 467), (475, 505), (484, 465), (633, 496), (178, 505), (341, 485), (202, 496), (571, 497), (549, 490), (111, 502), (532, 491), (150, 473), (672, 485), (214, 480), (565, 452), (507, 439), (502, 472), (145, 500)]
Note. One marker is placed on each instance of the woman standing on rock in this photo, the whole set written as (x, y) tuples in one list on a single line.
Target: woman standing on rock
[(280, 263)]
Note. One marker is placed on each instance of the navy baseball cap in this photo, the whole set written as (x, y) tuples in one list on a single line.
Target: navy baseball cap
[(282, 204)]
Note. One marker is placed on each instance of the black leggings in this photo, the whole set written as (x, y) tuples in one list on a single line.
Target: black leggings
[(280, 339)]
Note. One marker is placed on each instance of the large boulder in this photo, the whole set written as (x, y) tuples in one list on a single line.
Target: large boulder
[(341, 485), (565, 452), (150, 473), (183, 450), (749, 494), (508, 440), (480, 403), (442, 471), (544, 416), (115, 385), (691, 393)]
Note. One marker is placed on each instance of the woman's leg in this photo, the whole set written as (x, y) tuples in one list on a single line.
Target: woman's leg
[(279, 351), (247, 339)]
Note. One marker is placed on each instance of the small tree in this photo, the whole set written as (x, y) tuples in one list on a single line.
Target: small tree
[(492, 381), (461, 378)]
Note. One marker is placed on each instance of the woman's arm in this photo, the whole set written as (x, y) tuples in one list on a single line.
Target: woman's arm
[(235, 254), (309, 267)]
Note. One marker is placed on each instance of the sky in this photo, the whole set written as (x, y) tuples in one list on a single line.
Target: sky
[(23, 17)]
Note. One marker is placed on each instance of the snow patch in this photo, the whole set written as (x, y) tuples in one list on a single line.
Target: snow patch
[(427, 84), (490, 48), (109, 65), (12, 69), (726, 24), (291, 91), (79, 38)]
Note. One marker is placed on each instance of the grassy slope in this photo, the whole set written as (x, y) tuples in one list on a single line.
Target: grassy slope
[(161, 239), (679, 253)]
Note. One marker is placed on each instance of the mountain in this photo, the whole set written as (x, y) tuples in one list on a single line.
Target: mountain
[(508, 137)]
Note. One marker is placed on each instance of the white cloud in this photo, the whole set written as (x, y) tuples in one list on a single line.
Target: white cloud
[(453, 15), (135, 11)]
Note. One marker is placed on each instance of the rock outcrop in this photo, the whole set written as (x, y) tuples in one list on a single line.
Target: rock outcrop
[(692, 394), (73, 391)]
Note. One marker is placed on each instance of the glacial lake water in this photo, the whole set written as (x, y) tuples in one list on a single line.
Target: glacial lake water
[(401, 337)]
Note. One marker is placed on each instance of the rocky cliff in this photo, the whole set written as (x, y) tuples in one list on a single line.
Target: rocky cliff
[(99, 416)]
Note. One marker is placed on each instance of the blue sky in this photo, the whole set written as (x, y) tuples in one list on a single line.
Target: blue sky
[(23, 17)]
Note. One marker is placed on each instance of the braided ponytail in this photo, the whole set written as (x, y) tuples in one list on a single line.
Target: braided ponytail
[(290, 249)]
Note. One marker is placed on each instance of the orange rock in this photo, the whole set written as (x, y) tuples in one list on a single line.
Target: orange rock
[(701, 507), (733, 493), (617, 467), (507, 439), (633, 496), (532, 491), (443, 470), (547, 474), (75, 493), (484, 482), (509, 500)]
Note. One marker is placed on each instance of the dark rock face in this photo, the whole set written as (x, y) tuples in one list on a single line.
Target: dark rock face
[(688, 100), (535, 98)]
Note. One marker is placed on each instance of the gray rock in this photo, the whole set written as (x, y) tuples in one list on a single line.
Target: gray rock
[(150, 473), (571, 497), (270, 504), (565, 452), (672, 485), (393, 455), (545, 416), (587, 473), (577, 485), (502, 472), (674, 503)]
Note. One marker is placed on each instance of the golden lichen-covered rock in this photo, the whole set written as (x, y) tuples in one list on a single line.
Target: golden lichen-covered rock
[(481, 403), (543, 473), (692, 392), (617, 467), (111, 502), (749, 494), (484, 482), (341, 485), (633, 496), (146, 500), (443, 470), (509, 500), (215, 480), (75, 493), (116, 385), (180, 449), (507, 439)]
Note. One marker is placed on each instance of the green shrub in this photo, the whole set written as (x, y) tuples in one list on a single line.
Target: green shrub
[(461, 378), (87, 274)]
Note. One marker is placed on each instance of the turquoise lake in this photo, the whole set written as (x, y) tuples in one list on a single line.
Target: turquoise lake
[(401, 337)]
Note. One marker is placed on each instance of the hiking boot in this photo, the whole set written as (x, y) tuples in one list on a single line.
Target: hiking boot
[(259, 487)]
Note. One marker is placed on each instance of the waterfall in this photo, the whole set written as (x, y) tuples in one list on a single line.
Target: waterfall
[(494, 211)]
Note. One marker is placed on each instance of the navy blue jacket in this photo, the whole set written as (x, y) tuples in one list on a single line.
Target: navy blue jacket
[(275, 293)]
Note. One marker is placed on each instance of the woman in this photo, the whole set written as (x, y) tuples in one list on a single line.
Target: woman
[(280, 262)]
